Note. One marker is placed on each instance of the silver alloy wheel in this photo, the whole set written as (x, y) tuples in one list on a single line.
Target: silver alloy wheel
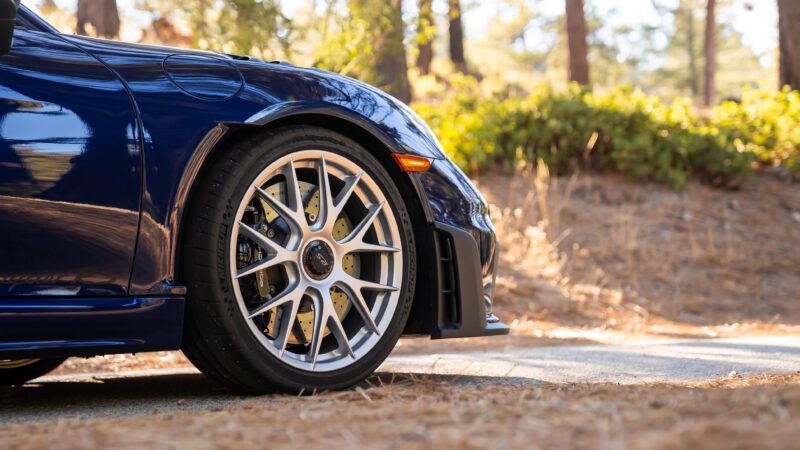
[(316, 261), (16, 363)]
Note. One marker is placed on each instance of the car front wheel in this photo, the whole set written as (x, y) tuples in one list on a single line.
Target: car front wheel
[(20, 371), (299, 259)]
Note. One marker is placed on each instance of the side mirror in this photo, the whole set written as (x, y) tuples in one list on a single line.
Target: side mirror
[(8, 18)]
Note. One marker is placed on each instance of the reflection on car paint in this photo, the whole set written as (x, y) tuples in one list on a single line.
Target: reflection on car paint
[(69, 172)]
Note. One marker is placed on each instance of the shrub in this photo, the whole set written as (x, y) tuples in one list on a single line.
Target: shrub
[(765, 123), (623, 131)]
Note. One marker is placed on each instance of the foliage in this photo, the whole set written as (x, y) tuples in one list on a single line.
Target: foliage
[(623, 131), (235, 26), (766, 123), (368, 45)]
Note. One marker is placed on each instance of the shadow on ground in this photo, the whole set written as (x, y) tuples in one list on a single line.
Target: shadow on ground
[(680, 361), (90, 398)]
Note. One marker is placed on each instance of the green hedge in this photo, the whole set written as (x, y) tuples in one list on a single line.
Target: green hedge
[(765, 123), (623, 131)]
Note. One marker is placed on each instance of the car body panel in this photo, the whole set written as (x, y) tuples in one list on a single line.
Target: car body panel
[(188, 104), (70, 173), (54, 327)]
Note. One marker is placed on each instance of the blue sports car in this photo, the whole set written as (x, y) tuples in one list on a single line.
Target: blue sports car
[(283, 226)]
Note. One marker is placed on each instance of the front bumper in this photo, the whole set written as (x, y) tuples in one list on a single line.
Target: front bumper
[(465, 251), (465, 296)]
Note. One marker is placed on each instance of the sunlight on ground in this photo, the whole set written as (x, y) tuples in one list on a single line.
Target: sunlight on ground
[(605, 259)]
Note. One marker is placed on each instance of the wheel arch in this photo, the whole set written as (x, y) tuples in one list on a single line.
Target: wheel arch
[(224, 136)]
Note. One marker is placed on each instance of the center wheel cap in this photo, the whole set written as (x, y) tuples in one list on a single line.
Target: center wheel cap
[(318, 260)]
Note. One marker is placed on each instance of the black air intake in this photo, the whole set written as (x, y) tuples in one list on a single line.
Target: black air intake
[(449, 304)]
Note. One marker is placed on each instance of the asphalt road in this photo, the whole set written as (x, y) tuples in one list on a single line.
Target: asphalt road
[(142, 393)]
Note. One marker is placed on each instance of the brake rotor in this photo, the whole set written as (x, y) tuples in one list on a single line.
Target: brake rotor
[(304, 326)]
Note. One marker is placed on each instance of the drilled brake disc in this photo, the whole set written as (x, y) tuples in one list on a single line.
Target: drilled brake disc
[(305, 317)]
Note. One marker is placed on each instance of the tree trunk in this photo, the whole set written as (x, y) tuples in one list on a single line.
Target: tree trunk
[(578, 49), (456, 36), (694, 76), (710, 54), (788, 20), (389, 69), (392, 66), (425, 36), (101, 14)]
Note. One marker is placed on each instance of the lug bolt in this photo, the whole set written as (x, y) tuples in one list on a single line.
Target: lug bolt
[(312, 217), (271, 233), (272, 289)]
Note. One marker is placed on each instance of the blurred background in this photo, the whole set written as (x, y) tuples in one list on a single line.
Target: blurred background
[(640, 156), (657, 45)]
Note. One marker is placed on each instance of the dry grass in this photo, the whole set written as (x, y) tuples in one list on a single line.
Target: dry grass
[(447, 412), (604, 258)]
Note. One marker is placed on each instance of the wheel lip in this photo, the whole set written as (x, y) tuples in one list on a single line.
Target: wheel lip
[(386, 302), (8, 364)]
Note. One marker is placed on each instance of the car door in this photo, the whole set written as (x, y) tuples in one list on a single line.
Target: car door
[(70, 171)]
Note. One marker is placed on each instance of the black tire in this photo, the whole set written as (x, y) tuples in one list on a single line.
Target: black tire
[(23, 374), (217, 338)]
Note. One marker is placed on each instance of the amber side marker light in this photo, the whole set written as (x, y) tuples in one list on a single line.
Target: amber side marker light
[(411, 163)]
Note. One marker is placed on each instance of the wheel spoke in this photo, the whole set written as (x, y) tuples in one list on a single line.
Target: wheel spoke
[(261, 265), (320, 315), (354, 242), (364, 247), (337, 329), (356, 283), (289, 295), (293, 194), (343, 197), (358, 301), (287, 325), (265, 243), (326, 209), (361, 230), (295, 216), (333, 323), (325, 316)]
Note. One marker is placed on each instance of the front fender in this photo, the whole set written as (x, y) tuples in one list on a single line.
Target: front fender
[(397, 140), (292, 90)]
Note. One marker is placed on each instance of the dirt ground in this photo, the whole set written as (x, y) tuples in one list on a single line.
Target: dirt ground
[(605, 259), (451, 412)]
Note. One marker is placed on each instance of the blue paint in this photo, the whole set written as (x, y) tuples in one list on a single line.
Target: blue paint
[(70, 172), (204, 77), (101, 143), (88, 326)]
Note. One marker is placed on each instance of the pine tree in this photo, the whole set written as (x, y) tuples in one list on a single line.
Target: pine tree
[(789, 31), (456, 30), (710, 87), (103, 15), (389, 68), (425, 34), (578, 49)]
